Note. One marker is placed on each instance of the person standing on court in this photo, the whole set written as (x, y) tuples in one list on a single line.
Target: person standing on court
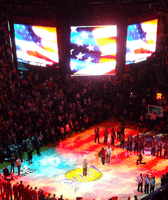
[(159, 149), (106, 136), (108, 154), (35, 193), (37, 144), (20, 190), (15, 191), (140, 183), (1, 180), (12, 164), (166, 150), (147, 181), (152, 184), (85, 168), (29, 149), (113, 136), (4, 188), (103, 155), (96, 130), (18, 165), (8, 190)]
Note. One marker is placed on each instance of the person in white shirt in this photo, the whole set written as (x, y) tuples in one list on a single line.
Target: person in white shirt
[(140, 183), (108, 154), (18, 165)]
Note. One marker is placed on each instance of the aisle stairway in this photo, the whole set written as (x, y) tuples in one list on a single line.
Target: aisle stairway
[(159, 74)]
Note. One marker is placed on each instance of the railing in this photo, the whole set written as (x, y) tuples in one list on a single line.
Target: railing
[(157, 191)]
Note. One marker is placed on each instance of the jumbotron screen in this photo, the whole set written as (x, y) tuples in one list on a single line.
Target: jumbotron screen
[(36, 45), (93, 50), (141, 41)]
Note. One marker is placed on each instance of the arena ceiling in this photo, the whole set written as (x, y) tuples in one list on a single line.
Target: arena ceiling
[(48, 6), (86, 2)]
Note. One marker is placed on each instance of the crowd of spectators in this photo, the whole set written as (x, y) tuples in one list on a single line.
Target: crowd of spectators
[(50, 109)]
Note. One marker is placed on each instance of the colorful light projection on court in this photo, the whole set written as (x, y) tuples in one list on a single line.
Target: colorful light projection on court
[(76, 175)]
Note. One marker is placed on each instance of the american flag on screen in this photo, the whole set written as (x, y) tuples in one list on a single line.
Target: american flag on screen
[(93, 50), (36, 44), (141, 41)]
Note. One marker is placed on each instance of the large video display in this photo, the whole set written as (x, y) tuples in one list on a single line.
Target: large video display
[(36, 45), (93, 50), (141, 41)]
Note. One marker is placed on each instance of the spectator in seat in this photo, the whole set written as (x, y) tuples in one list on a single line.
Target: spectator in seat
[(6, 173)]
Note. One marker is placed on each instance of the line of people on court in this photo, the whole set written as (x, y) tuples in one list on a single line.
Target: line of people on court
[(120, 136), (157, 148), (106, 135), (105, 155), (136, 144), (146, 183), (18, 191)]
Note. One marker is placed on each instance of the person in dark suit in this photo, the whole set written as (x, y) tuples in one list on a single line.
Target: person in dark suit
[(152, 184), (96, 130), (141, 145), (102, 154), (122, 140), (105, 136), (6, 173), (37, 144), (159, 149), (41, 196), (12, 161), (153, 149), (147, 182), (139, 159), (113, 136), (61, 197), (166, 150)]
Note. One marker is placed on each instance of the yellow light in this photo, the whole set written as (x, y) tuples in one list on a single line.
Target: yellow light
[(159, 96)]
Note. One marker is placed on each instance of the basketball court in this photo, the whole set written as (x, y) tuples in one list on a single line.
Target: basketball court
[(59, 169)]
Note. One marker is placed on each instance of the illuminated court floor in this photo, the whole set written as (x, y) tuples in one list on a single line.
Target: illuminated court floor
[(59, 170)]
